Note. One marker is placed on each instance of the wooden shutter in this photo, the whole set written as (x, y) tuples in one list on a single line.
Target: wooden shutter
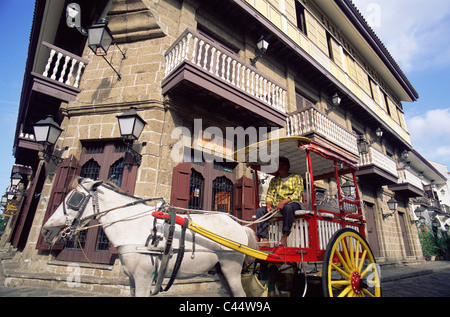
[(244, 199), (26, 215), (180, 185), (129, 174), (64, 176)]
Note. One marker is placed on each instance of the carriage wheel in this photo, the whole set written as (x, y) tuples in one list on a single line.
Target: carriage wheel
[(349, 267)]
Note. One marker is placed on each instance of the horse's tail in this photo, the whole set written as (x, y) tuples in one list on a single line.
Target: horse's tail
[(252, 243)]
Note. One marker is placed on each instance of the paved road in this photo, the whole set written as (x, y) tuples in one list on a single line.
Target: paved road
[(430, 285), (431, 279)]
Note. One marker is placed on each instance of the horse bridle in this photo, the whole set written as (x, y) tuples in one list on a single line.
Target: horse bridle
[(78, 201)]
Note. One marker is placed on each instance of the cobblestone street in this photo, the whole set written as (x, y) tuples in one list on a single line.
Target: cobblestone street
[(430, 285)]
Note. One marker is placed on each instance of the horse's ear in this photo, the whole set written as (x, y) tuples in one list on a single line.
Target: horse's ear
[(92, 185), (96, 184)]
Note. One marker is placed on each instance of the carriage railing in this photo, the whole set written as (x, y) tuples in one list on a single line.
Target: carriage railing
[(313, 229)]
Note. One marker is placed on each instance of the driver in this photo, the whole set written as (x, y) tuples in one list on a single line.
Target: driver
[(284, 195)]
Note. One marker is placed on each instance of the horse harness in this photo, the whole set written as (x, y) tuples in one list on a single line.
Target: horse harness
[(78, 201)]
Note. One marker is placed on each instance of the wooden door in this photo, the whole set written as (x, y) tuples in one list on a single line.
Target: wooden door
[(372, 236)]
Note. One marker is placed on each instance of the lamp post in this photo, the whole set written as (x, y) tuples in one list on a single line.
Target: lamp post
[(131, 126)]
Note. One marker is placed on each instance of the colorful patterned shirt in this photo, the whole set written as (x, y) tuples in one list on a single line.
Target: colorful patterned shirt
[(279, 191)]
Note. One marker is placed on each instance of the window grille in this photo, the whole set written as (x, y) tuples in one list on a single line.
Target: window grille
[(95, 148), (102, 241), (73, 243), (195, 190), (116, 172), (91, 170), (222, 194)]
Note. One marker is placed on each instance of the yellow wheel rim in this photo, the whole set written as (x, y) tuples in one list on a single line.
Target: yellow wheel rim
[(349, 267)]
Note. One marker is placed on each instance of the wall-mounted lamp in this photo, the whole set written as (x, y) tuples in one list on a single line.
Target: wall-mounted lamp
[(14, 188), (262, 46), (4, 200), (16, 179), (393, 206), (336, 100), (405, 155), (47, 132), (348, 189), (99, 35), (131, 126), (100, 40), (363, 145)]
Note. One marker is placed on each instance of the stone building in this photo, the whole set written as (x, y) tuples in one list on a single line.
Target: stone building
[(190, 59)]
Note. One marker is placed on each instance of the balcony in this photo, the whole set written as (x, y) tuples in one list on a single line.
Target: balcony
[(409, 185), (61, 75), (310, 122), (197, 66), (377, 168)]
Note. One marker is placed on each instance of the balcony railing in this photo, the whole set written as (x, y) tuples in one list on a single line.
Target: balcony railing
[(405, 176), (63, 66), (380, 160), (311, 120), (200, 51)]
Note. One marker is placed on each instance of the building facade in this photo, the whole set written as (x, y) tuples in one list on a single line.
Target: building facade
[(189, 65)]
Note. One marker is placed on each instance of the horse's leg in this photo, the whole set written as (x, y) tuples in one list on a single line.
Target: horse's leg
[(231, 267), (143, 286), (132, 286), (140, 269)]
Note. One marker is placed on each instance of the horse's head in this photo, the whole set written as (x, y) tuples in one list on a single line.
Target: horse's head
[(74, 207)]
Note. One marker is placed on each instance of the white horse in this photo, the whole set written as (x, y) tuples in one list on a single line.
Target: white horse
[(129, 227)]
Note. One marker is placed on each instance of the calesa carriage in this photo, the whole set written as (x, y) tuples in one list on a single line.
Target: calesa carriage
[(328, 230)]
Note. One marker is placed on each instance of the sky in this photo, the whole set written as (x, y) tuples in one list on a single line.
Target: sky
[(416, 35)]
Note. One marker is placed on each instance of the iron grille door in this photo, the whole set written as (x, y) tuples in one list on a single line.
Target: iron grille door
[(222, 191), (196, 190)]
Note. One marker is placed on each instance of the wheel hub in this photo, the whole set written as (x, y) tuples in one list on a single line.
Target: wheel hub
[(355, 281)]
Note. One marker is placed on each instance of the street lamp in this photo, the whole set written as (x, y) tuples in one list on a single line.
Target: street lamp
[(336, 100), (363, 146), (47, 132), (262, 46), (16, 179), (100, 37), (393, 206), (348, 189), (4, 200), (131, 126)]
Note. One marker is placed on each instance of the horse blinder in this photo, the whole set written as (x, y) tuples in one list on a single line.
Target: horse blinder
[(76, 200)]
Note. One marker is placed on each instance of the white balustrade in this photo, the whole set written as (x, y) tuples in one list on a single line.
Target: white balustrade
[(198, 50), (63, 66), (311, 120), (375, 157), (406, 176)]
